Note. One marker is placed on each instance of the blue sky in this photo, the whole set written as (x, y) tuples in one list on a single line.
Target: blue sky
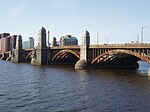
[(117, 20)]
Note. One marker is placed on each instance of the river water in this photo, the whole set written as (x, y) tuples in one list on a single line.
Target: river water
[(27, 88)]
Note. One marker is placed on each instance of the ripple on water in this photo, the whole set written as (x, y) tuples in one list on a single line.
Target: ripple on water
[(26, 88)]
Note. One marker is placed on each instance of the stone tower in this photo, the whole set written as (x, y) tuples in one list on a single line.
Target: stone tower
[(54, 42), (40, 53), (42, 38), (19, 42), (84, 52), (18, 54), (86, 38)]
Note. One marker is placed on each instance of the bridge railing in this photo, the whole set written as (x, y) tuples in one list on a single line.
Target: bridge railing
[(28, 49), (123, 45), (63, 47)]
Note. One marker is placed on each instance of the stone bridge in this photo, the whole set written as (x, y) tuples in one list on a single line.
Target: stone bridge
[(124, 56)]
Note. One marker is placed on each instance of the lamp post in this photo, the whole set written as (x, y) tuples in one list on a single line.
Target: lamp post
[(137, 38), (106, 40), (48, 38), (142, 33), (98, 36)]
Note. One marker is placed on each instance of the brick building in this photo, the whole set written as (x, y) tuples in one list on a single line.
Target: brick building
[(68, 40), (7, 42)]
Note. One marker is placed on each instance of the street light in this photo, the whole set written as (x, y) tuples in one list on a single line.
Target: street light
[(48, 38), (98, 36), (137, 38), (106, 40), (142, 29)]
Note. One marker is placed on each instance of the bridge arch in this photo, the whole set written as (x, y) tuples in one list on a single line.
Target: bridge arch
[(66, 55), (139, 56), (28, 57)]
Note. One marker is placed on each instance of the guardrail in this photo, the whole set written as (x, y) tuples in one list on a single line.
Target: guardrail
[(123, 45)]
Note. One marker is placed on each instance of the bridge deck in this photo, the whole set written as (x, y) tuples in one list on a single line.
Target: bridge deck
[(127, 45)]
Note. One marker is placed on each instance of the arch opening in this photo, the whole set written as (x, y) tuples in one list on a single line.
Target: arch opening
[(66, 57), (28, 57), (119, 59)]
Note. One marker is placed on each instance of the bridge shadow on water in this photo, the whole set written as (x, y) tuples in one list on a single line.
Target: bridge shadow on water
[(141, 71)]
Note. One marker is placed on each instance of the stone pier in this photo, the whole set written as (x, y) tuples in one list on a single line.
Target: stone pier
[(41, 52), (84, 52), (18, 54)]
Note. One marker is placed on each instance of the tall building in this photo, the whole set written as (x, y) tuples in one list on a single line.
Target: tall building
[(4, 42), (25, 45), (31, 42), (28, 44), (7, 42), (68, 40)]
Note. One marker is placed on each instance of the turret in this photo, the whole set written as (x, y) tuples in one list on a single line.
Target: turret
[(54, 43), (86, 38), (40, 54), (84, 52), (19, 42), (42, 37), (18, 54)]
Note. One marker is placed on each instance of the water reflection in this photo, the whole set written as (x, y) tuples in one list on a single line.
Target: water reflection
[(116, 89)]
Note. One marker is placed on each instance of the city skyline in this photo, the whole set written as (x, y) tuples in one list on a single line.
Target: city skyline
[(117, 21)]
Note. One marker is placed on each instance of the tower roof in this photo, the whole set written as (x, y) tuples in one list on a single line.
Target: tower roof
[(19, 36), (86, 32), (43, 29)]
